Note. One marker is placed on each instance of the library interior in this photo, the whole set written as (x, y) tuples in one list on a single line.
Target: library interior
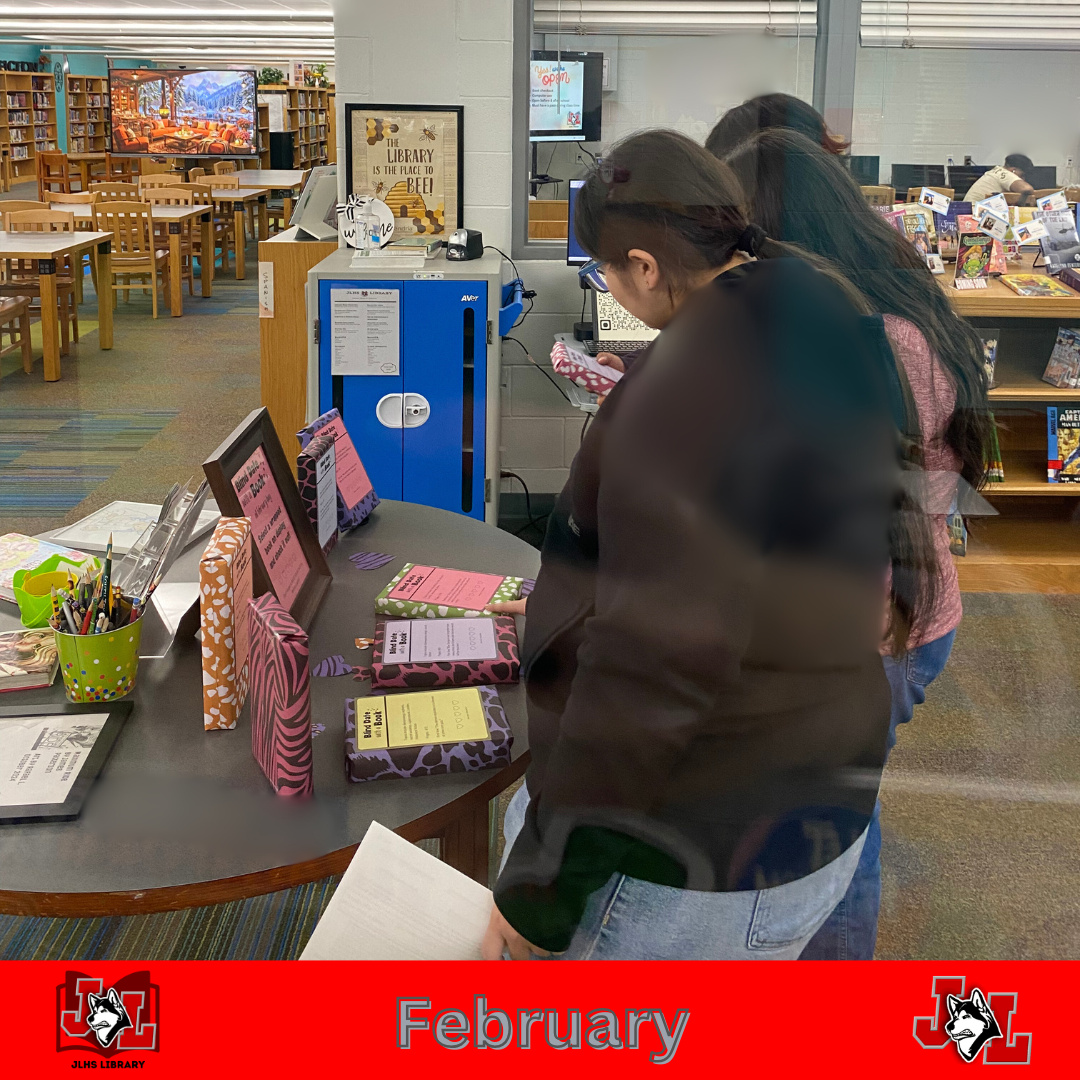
[(582, 458)]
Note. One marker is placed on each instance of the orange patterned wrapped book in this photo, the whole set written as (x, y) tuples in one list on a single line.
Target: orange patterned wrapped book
[(224, 592)]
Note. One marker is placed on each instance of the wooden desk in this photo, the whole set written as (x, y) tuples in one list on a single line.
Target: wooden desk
[(174, 216), (283, 345), (239, 198), (287, 180), (181, 817), (45, 249)]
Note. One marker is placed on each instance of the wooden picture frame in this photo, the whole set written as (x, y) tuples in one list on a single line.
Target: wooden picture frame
[(435, 130), (71, 807), (252, 455)]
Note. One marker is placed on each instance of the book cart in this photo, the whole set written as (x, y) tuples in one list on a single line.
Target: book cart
[(1034, 543)]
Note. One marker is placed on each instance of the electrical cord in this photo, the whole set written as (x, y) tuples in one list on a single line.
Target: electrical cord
[(544, 370), (526, 294), (492, 247), (532, 522)]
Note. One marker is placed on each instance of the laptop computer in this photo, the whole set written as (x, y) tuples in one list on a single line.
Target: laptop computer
[(615, 330)]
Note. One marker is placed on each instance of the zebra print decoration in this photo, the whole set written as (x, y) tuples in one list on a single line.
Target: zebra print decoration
[(280, 683)]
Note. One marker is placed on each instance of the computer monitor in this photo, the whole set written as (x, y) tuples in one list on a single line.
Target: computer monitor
[(961, 177), (1043, 176), (565, 100), (575, 255), (909, 176), (864, 169)]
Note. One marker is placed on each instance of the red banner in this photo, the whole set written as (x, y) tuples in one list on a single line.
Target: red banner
[(205, 1020)]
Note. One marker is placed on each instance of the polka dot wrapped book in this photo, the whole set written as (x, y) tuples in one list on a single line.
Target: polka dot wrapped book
[(435, 592)]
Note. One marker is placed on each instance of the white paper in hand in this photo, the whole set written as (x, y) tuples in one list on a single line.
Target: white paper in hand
[(397, 902)]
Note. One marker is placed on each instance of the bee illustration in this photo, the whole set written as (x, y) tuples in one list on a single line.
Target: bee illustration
[(428, 133), (380, 187)]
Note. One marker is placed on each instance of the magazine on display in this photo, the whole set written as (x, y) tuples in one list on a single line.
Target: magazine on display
[(1063, 370), (1063, 445), (1061, 245)]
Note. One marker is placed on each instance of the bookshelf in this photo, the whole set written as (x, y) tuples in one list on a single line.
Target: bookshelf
[(309, 112), (264, 136), (27, 119), (1033, 545), (88, 114)]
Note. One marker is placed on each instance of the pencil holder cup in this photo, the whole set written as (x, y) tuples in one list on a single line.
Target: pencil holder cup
[(99, 667), (33, 588)]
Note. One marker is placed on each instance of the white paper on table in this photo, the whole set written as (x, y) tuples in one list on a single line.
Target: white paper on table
[(364, 332), (418, 641), (397, 902), (126, 521), (40, 756)]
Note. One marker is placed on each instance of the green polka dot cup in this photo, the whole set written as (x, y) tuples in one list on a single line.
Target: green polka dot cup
[(99, 667)]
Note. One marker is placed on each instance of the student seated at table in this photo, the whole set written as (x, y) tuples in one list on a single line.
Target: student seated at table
[(1007, 178)]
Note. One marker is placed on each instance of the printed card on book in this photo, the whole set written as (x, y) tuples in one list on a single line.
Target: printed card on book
[(356, 495), (224, 594), (425, 734), (280, 697), (316, 477), (435, 592)]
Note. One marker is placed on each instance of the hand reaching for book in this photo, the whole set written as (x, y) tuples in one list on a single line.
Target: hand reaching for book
[(507, 607)]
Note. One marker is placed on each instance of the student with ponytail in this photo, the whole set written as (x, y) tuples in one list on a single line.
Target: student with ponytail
[(803, 195), (707, 708)]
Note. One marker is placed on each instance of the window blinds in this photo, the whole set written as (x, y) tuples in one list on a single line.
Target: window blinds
[(790, 18), (971, 24)]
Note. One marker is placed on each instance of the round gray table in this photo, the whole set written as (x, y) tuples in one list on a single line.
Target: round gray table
[(180, 817)]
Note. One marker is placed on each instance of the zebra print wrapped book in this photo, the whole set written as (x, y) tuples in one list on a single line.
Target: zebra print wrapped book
[(279, 689)]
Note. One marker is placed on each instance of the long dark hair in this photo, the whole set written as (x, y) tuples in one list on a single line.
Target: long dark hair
[(803, 195), (771, 111), (662, 191)]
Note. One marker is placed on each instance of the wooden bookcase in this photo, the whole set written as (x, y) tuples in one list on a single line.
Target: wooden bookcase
[(43, 116), (27, 119), (309, 112), (1033, 545), (264, 136), (88, 114)]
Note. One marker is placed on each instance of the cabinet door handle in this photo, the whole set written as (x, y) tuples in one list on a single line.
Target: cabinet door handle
[(390, 409), (417, 410)]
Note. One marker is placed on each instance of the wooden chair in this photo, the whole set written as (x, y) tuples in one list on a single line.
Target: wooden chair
[(163, 196), (54, 173), (224, 167), (121, 170), (221, 226), (879, 194), (22, 279), (913, 193), (1012, 198), (135, 251), (194, 174), (9, 206), (5, 166), (1072, 194), (220, 180), (80, 198), (157, 180), (15, 322), (116, 192)]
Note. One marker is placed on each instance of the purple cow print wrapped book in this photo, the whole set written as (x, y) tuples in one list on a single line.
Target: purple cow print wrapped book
[(426, 734), (316, 478), (279, 691), (426, 653), (356, 496)]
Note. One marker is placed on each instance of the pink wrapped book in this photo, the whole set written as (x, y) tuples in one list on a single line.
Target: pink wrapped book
[(583, 369), (428, 653), (280, 692)]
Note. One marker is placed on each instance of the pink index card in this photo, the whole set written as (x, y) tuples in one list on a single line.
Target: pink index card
[(452, 588), (271, 529), (352, 479)]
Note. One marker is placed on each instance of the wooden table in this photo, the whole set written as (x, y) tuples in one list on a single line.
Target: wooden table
[(181, 817), (174, 216), (86, 160), (287, 180), (239, 199), (44, 249)]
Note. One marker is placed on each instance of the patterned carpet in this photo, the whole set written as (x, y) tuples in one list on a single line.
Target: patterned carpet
[(52, 459)]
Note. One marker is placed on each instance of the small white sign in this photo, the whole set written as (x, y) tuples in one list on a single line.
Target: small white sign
[(935, 263), (935, 200), (266, 290), (990, 223), (996, 204), (326, 495), (418, 641), (1029, 231), (1054, 201)]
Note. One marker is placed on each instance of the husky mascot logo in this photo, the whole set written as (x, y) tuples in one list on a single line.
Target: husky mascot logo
[(106, 1015), (971, 1025)]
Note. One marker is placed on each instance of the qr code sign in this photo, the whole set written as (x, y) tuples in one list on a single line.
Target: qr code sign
[(612, 316)]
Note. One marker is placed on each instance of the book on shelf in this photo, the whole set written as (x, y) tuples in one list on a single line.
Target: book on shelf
[(1061, 245), (1070, 276), (995, 470), (957, 534), (989, 338), (1062, 445), (28, 660), (973, 253), (1035, 285), (968, 224), (1063, 368)]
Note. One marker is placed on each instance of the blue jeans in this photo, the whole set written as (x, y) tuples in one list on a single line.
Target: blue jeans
[(628, 919), (850, 932)]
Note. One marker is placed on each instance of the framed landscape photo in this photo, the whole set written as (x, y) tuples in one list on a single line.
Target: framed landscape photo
[(411, 157), (250, 477)]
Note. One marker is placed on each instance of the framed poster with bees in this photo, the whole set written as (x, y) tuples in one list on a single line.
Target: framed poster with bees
[(411, 157)]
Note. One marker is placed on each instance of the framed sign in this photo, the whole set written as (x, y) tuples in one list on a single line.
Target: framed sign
[(250, 477), (411, 157)]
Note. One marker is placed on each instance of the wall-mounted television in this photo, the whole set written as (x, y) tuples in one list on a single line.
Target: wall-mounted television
[(565, 96), (184, 112)]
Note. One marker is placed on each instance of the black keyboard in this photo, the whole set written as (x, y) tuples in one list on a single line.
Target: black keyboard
[(619, 348)]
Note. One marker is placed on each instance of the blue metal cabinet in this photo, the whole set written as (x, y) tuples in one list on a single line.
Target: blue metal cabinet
[(437, 456)]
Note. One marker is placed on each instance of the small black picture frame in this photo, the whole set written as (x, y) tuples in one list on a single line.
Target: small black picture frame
[(71, 807), (257, 432)]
